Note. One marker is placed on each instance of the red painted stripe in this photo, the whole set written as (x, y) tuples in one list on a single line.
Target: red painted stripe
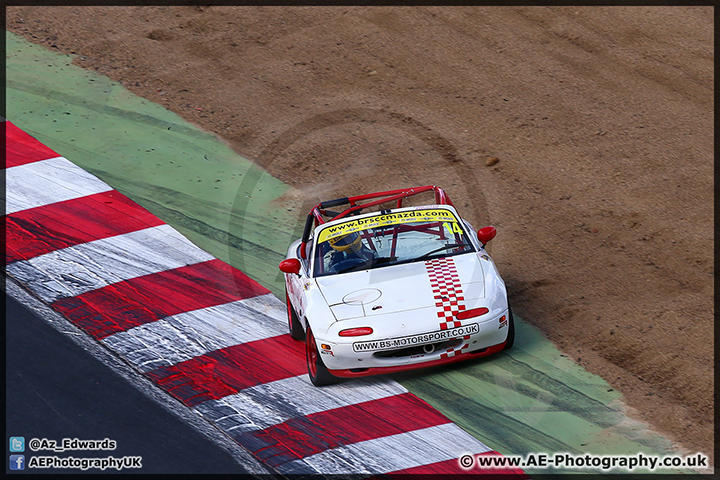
[(227, 371), (452, 467), (40, 230), (21, 148), (127, 304), (304, 436), (446, 286)]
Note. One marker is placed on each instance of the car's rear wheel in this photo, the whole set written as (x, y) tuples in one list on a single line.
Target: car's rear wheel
[(319, 374), (511, 330), (296, 330)]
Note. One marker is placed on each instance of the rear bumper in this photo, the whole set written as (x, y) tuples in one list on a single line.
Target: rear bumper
[(364, 372)]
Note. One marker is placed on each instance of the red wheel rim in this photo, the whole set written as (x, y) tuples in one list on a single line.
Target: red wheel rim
[(311, 350)]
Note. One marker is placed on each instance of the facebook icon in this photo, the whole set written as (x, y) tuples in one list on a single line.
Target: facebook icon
[(17, 462)]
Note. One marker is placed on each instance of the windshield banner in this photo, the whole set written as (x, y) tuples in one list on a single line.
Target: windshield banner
[(428, 215)]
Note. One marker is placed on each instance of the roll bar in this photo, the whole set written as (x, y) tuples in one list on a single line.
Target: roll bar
[(319, 215)]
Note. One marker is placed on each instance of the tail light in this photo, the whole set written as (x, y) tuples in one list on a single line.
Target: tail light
[(356, 332), (475, 312)]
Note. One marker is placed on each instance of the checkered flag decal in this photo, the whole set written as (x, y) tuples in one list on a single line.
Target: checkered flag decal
[(455, 351), (445, 284)]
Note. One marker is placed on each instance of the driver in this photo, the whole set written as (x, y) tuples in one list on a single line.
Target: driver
[(346, 248)]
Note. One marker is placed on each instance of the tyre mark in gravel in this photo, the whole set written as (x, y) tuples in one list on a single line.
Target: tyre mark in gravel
[(271, 153)]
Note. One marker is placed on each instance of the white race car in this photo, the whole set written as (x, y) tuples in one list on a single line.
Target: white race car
[(374, 291)]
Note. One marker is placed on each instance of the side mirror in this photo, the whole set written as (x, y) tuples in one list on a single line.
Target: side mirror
[(291, 265), (486, 234)]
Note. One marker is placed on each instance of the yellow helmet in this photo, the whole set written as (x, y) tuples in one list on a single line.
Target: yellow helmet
[(342, 244)]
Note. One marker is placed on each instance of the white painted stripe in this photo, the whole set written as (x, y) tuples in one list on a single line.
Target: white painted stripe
[(81, 268), (394, 452), (265, 405), (269, 305), (48, 181), (181, 337)]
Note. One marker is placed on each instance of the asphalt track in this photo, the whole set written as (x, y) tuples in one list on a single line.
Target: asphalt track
[(530, 400), (47, 398)]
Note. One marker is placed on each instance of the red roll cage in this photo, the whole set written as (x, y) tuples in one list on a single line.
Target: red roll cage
[(319, 213)]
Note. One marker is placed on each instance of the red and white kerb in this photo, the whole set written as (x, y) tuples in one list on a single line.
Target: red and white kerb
[(445, 284)]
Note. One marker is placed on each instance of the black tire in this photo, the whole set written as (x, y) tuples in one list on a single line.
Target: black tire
[(296, 330), (511, 330), (318, 372)]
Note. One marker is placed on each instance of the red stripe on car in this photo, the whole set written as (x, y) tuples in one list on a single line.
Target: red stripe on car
[(447, 291)]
